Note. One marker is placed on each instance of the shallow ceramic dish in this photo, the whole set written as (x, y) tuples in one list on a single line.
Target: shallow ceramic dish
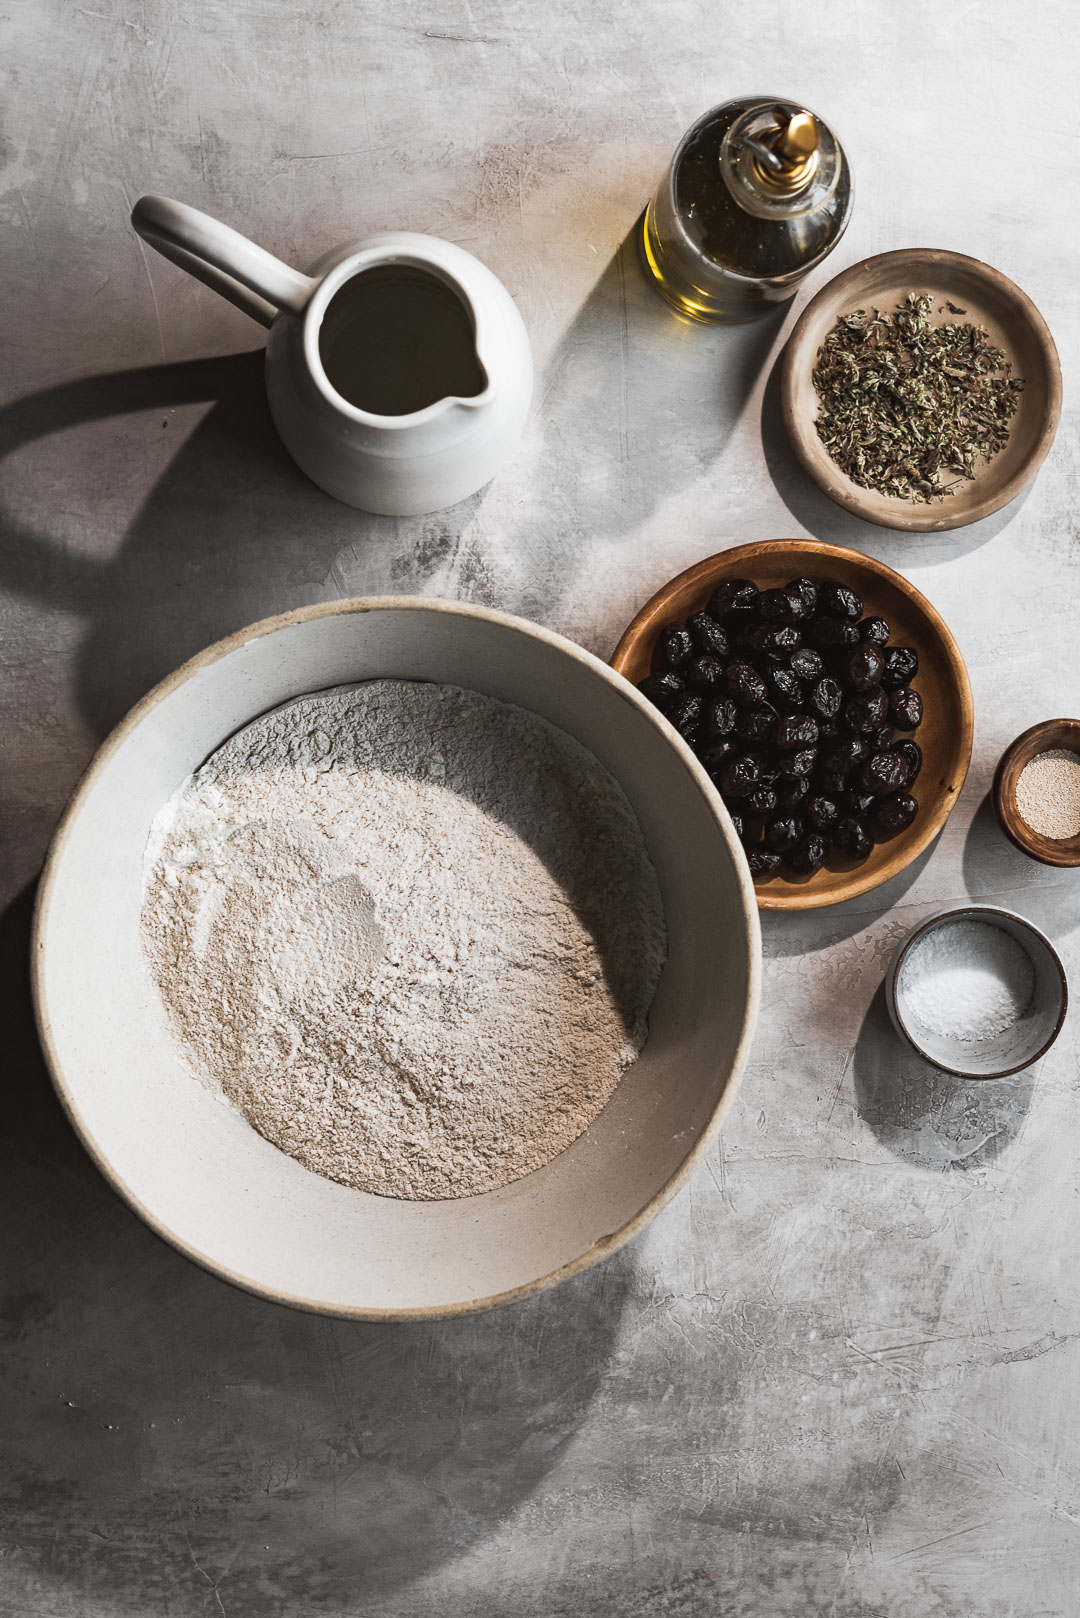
[(198, 1173), (944, 735), (1017, 1046), (1041, 738), (987, 298)]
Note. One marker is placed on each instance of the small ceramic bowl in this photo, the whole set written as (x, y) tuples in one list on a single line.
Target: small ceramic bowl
[(1041, 998), (986, 298), (1049, 736)]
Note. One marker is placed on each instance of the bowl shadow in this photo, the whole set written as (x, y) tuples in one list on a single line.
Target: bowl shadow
[(927, 1117), (996, 871), (163, 1431), (796, 932)]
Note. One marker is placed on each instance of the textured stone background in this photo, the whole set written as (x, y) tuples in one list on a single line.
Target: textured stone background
[(840, 1374)]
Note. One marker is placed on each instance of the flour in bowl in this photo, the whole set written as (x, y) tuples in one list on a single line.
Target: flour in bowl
[(411, 932)]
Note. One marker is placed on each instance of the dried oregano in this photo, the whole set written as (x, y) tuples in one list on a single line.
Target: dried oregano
[(905, 403)]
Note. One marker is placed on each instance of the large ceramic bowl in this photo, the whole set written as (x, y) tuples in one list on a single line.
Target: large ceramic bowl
[(198, 1173)]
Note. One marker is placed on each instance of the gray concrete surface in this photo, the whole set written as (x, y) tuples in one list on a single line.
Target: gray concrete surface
[(840, 1374)]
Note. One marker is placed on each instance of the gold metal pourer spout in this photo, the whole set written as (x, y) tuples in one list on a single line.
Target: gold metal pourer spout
[(785, 158)]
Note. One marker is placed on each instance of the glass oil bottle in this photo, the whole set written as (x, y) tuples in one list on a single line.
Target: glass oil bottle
[(757, 194)]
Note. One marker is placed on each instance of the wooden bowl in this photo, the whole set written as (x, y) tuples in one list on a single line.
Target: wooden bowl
[(942, 681), (1052, 733), (987, 298)]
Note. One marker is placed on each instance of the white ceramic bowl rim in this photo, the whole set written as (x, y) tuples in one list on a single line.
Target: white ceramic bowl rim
[(600, 1249), (980, 912)]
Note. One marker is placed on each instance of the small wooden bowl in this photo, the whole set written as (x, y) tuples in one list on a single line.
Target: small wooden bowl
[(988, 299), (945, 734), (1052, 733)]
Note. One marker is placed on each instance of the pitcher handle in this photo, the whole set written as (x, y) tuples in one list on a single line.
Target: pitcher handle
[(250, 277)]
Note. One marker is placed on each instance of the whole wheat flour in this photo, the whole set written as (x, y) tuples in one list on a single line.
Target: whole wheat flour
[(413, 933)]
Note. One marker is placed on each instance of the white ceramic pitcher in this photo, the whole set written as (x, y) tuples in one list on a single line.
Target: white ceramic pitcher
[(416, 329)]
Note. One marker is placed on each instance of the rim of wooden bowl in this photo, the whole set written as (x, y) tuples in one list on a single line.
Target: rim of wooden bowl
[(1041, 738), (699, 581), (918, 264)]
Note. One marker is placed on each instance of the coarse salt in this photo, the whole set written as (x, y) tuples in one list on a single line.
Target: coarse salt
[(966, 980)]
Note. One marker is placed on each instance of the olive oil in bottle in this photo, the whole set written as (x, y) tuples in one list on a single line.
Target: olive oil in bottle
[(758, 193)]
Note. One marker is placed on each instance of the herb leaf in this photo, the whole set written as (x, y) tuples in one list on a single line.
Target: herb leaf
[(905, 403)]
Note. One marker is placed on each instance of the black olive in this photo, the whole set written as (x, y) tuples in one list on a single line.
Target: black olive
[(741, 631), (852, 835), (675, 646), (783, 832), (809, 855), (875, 630), (709, 636), (716, 754), (827, 728), (744, 684), (740, 776), (756, 724), (830, 782), (863, 666), (832, 634), (762, 801), (838, 601), (856, 802), (826, 697), (895, 814), (901, 667), (733, 596), (806, 664), (905, 707), (796, 730), (883, 773), (882, 737), (782, 606), (843, 754), (720, 716), (775, 641), (766, 766), (911, 753), (821, 812), (866, 713), (800, 762), (763, 864), (662, 689), (686, 711), (791, 790), (786, 688), (705, 672), (806, 590)]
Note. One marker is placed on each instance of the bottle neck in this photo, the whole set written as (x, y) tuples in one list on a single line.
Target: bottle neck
[(768, 186)]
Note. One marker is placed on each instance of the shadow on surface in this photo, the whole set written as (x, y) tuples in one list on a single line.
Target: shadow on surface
[(795, 932), (162, 1431), (928, 1117), (823, 518), (995, 872), (636, 403), (231, 532)]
